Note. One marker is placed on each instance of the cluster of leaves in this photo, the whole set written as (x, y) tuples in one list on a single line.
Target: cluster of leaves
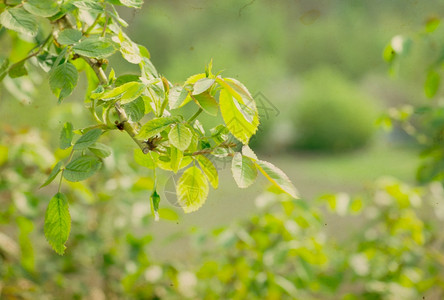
[(82, 34)]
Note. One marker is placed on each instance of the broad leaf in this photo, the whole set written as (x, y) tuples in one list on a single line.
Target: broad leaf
[(17, 70), (277, 177), (192, 189), (175, 158), (69, 36), (41, 8), (132, 3), (135, 109), (244, 171), (4, 68), (126, 92), (19, 20), (155, 126), (63, 79), (87, 139), (247, 151), (177, 96), (209, 169), (207, 103), (81, 168), (146, 160), (57, 223), (89, 5), (202, 85), (180, 136), (66, 136), (95, 47), (100, 150), (55, 171), (130, 51)]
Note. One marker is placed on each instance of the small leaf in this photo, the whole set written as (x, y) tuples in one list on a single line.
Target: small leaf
[(432, 82), (155, 200), (175, 158), (4, 68), (126, 92), (87, 139), (69, 36), (180, 136), (168, 214), (209, 169), (55, 171), (135, 109), (130, 51), (18, 70), (247, 151), (41, 8), (88, 5), (81, 168), (207, 103), (100, 150), (132, 3), (66, 136), (192, 189), (146, 160), (277, 177), (95, 47), (19, 20), (155, 126), (63, 79), (244, 171), (432, 24), (177, 96), (202, 85), (57, 223)]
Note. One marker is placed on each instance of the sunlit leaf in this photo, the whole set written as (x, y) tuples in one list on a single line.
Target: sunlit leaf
[(95, 47), (209, 169), (180, 136), (277, 177), (244, 170), (87, 139), (69, 36), (19, 20), (41, 8), (55, 171), (57, 223), (155, 126), (192, 189)]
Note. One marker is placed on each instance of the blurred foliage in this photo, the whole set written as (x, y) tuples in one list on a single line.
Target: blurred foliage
[(332, 115)]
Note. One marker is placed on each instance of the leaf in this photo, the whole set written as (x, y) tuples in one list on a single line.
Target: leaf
[(100, 150), (180, 136), (19, 20), (155, 126), (87, 139), (81, 168), (55, 171), (155, 200), (132, 3), (63, 79), (192, 189), (4, 68), (66, 136), (130, 51), (277, 177), (244, 171), (432, 82), (57, 223), (145, 160), (168, 214), (202, 85), (135, 109), (95, 47), (41, 8), (432, 24), (209, 169), (177, 96), (69, 36), (207, 103), (126, 93), (247, 151), (18, 70), (89, 5), (176, 158)]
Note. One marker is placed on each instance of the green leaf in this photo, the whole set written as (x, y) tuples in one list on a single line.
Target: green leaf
[(175, 158), (4, 68), (132, 3), (192, 189), (89, 5), (168, 214), (180, 136), (55, 171), (100, 150), (19, 20), (87, 139), (81, 168), (277, 177), (432, 82), (126, 93), (41, 8), (155, 200), (247, 151), (155, 126), (244, 171), (69, 36), (135, 109), (207, 103), (130, 51), (63, 79), (18, 70), (177, 96), (202, 85), (125, 78), (209, 169), (57, 223), (432, 24), (95, 47), (66, 136), (146, 160)]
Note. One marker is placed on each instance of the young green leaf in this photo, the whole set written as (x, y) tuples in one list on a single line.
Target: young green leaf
[(176, 158), (209, 169), (247, 151), (192, 189), (69, 36), (125, 93), (55, 171), (135, 109), (432, 82), (57, 223), (146, 160), (18, 70), (41, 8), (207, 103), (155, 200), (132, 3), (180, 136), (81, 168), (244, 171), (87, 139), (66, 136), (19, 20), (202, 85), (90, 5), (63, 79), (155, 126), (100, 150), (277, 177), (177, 96), (4, 68), (95, 47)]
